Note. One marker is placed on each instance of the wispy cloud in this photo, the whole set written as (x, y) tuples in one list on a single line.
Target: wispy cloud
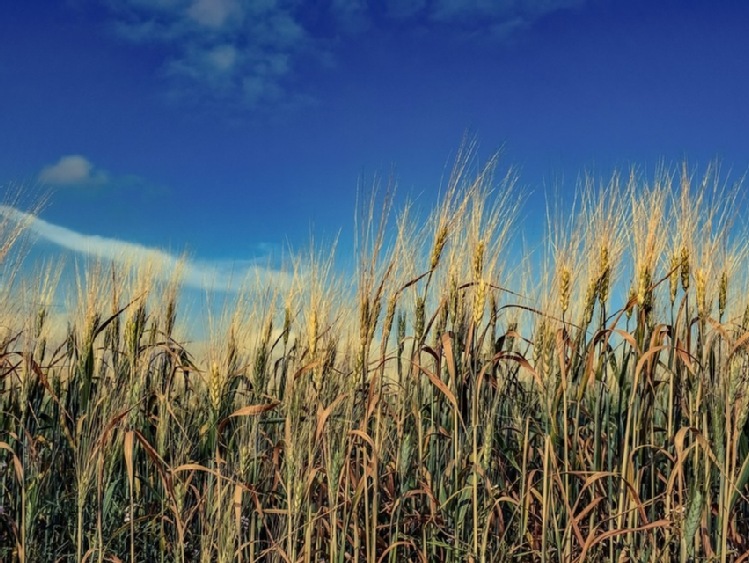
[(70, 170), (75, 170), (212, 275), (246, 53), (241, 53), (214, 13), (500, 20)]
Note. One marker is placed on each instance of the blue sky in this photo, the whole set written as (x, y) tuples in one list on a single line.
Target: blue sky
[(230, 128)]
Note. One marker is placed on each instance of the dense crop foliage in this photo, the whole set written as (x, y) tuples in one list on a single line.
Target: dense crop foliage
[(455, 402)]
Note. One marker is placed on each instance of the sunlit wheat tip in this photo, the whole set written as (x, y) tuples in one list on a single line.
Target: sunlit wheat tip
[(439, 246), (420, 316), (373, 321), (479, 302), (401, 328), (644, 291), (41, 316), (564, 289), (699, 276), (684, 273), (478, 260), (512, 327), (604, 276), (389, 317), (245, 459), (631, 298), (215, 385), (493, 308), (673, 276), (590, 302), (453, 299), (286, 325), (268, 331), (363, 320)]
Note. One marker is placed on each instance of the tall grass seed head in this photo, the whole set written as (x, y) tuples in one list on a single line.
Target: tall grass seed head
[(286, 325), (630, 298), (442, 322), (511, 328), (439, 245), (590, 301), (701, 282), (389, 318), (41, 317), (478, 260), (604, 276), (564, 289), (246, 459), (479, 302), (268, 331), (673, 277), (538, 345), (454, 300), (723, 293), (170, 317), (401, 329), (363, 320), (215, 386), (684, 273), (329, 358), (644, 290), (420, 316), (312, 334), (493, 308), (373, 321)]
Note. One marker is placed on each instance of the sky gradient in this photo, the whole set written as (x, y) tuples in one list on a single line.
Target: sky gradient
[(231, 128)]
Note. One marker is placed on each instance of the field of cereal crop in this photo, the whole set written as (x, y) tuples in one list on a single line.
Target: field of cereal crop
[(447, 401)]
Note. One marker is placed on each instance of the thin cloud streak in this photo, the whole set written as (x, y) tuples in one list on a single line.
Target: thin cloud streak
[(197, 274)]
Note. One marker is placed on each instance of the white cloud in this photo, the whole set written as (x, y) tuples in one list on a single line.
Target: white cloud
[(215, 13), (70, 170), (215, 67), (244, 53), (222, 58), (219, 275), (237, 52), (283, 31)]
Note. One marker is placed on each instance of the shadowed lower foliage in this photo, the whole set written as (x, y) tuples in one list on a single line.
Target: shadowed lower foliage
[(587, 404)]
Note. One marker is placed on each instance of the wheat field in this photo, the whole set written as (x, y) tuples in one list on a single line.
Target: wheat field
[(461, 396)]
